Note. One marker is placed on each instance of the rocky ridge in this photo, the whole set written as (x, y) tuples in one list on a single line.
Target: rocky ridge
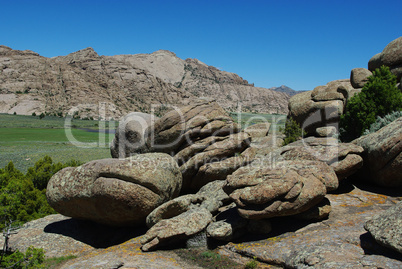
[(91, 85)]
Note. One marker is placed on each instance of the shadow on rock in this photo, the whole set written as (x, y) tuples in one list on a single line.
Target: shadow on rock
[(371, 247), (93, 234), (371, 187)]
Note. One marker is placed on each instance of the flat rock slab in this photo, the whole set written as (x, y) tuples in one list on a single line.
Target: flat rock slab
[(338, 242), (96, 246)]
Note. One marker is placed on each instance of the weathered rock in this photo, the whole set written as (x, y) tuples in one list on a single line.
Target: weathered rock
[(115, 191), (383, 155), (206, 143), (217, 170), (227, 226), (321, 107), (93, 245), (265, 145), (359, 77), (174, 208), (328, 131), (258, 130), (391, 56), (214, 195), (344, 158), (183, 126), (129, 137), (337, 242), (210, 197), (176, 229), (386, 227), (318, 212), (288, 188)]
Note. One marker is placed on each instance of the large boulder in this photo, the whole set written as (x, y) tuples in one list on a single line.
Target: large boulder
[(383, 155), (359, 77), (321, 107), (386, 227), (129, 137), (285, 188), (176, 229), (391, 56), (258, 130), (119, 192), (210, 197), (344, 158)]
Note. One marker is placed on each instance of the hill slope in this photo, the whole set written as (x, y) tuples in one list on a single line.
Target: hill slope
[(110, 86)]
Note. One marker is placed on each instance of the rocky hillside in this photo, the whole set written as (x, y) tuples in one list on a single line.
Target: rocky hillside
[(79, 82)]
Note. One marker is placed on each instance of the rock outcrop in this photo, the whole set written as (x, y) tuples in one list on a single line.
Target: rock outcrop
[(321, 107), (391, 56), (111, 86), (176, 229), (344, 158), (383, 155), (386, 227), (204, 140), (118, 192), (287, 188), (325, 104)]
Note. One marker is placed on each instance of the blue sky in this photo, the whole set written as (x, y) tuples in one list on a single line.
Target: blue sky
[(301, 44)]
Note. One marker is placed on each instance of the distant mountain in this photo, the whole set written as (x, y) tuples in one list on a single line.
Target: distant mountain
[(30, 83), (286, 89)]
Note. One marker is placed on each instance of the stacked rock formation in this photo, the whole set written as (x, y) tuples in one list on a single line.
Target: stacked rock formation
[(205, 142), (325, 104)]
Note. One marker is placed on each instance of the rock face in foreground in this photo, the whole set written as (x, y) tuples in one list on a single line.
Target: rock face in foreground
[(383, 155), (386, 227), (337, 242), (118, 192), (287, 188)]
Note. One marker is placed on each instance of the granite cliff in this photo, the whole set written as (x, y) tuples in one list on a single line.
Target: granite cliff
[(82, 80)]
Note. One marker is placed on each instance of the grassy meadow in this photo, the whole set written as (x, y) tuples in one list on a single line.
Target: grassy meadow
[(26, 139)]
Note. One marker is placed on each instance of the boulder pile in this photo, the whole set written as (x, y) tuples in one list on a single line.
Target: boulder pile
[(324, 105), (201, 178)]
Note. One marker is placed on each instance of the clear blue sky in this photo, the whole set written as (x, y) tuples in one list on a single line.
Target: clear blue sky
[(301, 44)]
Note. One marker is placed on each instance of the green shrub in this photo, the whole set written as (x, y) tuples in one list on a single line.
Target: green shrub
[(379, 97), (44, 169), (33, 258), (383, 121), (23, 197), (292, 131)]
